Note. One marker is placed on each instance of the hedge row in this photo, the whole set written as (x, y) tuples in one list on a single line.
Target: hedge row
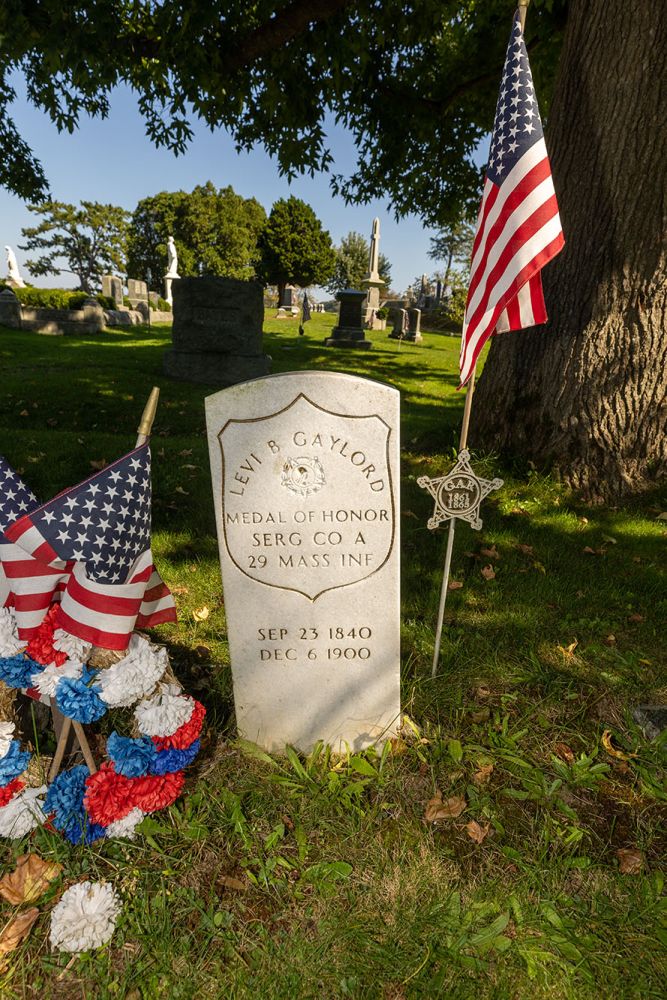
[(56, 298)]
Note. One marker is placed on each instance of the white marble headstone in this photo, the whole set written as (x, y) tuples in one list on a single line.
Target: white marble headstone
[(305, 485)]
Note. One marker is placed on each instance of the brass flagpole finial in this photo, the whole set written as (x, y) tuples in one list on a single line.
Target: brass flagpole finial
[(148, 416), (523, 9)]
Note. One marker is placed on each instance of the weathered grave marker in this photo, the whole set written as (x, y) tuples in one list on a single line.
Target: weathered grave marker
[(305, 485)]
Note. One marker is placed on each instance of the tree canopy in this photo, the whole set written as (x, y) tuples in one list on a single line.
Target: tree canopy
[(215, 232), (352, 264), (88, 241), (416, 83), (294, 248)]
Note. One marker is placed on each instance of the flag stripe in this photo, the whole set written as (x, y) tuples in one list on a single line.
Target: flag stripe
[(528, 241), (515, 212), (548, 253)]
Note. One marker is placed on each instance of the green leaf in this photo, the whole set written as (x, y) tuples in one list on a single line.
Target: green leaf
[(455, 750), (363, 766)]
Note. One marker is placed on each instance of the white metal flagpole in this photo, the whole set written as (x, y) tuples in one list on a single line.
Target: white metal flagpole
[(463, 441)]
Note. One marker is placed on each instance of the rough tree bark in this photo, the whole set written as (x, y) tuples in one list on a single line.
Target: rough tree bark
[(586, 392)]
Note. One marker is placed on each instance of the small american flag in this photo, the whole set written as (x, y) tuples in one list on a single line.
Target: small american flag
[(518, 227), (96, 538), (25, 584)]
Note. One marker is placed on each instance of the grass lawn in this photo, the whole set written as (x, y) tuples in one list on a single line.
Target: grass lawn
[(317, 878)]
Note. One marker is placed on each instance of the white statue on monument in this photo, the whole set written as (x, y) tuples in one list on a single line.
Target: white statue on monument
[(14, 274), (172, 269)]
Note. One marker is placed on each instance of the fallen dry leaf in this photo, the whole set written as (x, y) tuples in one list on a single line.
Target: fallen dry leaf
[(488, 572), (17, 930), (636, 617), (202, 651), (410, 513), (201, 614), (476, 832), (29, 880), (185, 453), (527, 550), (607, 741), (630, 860), (482, 715), (179, 489), (482, 691), (436, 809), (491, 553), (609, 640), (24, 413), (563, 751), (481, 776), (98, 464), (593, 552), (454, 585), (179, 589), (230, 882)]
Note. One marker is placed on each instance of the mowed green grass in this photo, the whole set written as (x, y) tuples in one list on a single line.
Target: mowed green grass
[(281, 877)]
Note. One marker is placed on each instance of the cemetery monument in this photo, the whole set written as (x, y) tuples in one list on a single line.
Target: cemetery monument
[(372, 281), (13, 273), (172, 270)]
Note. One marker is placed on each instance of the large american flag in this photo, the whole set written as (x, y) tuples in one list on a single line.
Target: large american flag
[(518, 227), (91, 547)]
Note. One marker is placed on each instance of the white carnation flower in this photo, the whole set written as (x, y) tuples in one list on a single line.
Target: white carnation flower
[(127, 826), (76, 649), (10, 644), (165, 712), (46, 680), (6, 736), (85, 917), (135, 675), (22, 813)]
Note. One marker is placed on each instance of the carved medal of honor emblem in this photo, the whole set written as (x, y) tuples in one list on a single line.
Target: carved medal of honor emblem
[(302, 476)]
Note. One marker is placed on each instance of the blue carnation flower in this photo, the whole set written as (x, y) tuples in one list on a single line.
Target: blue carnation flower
[(13, 763), (77, 700), (64, 797), (168, 761), (79, 830), (131, 758), (16, 671)]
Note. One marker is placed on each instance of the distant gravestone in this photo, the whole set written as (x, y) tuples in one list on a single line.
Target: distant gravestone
[(112, 287), (217, 331), (305, 486), (413, 333), (349, 331), (10, 309), (137, 291)]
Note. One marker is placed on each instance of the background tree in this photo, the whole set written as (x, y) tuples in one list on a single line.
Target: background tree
[(294, 248), (88, 241), (352, 264), (435, 64), (215, 231), (452, 247)]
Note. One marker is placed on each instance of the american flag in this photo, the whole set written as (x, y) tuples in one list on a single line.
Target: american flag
[(518, 227), (25, 584), (95, 538)]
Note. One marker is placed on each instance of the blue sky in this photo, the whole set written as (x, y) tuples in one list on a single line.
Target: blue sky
[(113, 161)]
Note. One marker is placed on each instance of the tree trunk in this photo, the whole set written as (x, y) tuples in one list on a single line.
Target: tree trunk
[(585, 393)]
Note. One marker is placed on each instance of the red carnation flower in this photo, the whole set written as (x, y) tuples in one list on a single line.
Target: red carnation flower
[(185, 734), (155, 792), (108, 795), (9, 791), (40, 648)]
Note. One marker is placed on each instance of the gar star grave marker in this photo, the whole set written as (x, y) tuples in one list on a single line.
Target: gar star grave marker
[(305, 476)]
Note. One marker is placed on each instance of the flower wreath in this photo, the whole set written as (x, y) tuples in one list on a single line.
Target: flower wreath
[(142, 775)]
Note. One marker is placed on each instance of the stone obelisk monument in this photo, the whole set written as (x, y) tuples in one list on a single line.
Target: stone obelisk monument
[(372, 281)]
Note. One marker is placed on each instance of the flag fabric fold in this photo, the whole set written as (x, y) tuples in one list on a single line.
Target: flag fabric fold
[(90, 546), (518, 226)]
